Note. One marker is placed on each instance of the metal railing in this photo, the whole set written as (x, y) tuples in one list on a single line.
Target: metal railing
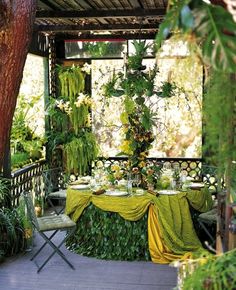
[(29, 177), (25, 179)]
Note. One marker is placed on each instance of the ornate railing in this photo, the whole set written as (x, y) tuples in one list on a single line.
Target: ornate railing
[(29, 177), (26, 178), (192, 167)]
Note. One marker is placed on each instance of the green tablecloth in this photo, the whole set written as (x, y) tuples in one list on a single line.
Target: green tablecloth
[(171, 234)]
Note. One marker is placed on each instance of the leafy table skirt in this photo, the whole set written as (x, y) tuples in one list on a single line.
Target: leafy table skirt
[(166, 219), (106, 235)]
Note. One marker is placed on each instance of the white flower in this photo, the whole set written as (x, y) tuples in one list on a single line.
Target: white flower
[(86, 68), (60, 104)]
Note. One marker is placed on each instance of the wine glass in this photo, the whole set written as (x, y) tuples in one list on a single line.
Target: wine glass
[(137, 179)]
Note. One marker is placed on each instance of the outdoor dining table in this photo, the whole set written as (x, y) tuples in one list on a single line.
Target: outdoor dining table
[(171, 234)]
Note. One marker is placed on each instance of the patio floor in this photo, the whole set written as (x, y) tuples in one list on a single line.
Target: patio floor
[(19, 273)]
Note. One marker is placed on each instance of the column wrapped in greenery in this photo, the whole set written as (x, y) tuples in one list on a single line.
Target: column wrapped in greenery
[(79, 146)]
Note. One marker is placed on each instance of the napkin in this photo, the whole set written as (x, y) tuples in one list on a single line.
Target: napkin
[(100, 191)]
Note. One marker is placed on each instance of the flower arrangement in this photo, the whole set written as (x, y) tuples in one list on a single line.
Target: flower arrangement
[(151, 174), (115, 173)]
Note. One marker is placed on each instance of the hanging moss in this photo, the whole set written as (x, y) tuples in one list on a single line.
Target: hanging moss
[(80, 152), (218, 110), (71, 85)]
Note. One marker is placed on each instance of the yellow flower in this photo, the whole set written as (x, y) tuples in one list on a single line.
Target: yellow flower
[(115, 167), (142, 164), (125, 147), (118, 174), (99, 164)]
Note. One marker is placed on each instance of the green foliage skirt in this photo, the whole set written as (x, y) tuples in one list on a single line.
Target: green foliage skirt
[(106, 235)]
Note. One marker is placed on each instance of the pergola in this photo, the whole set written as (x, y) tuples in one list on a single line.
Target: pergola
[(57, 21), (127, 19)]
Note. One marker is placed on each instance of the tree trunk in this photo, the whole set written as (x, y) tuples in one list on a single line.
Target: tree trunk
[(16, 25)]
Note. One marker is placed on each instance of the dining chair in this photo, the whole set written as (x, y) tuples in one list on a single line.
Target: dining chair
[(52, 224), (208, 222), (55, 185)]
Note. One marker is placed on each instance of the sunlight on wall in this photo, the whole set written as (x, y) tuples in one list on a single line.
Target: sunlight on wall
[(33, 85)]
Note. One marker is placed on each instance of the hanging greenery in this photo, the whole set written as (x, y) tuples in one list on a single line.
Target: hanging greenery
[(136, 85), (72, 83), (73, 110), (218, 116), (80, 152)]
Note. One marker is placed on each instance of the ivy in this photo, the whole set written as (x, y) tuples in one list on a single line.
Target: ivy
[(106, 235)]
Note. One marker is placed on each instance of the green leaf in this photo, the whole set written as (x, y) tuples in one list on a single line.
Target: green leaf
[(215, 26), (124, 118), (172, 21), (187, 19), (129, 105)]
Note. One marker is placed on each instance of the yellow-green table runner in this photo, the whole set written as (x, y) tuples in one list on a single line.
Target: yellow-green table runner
[(171, 234)]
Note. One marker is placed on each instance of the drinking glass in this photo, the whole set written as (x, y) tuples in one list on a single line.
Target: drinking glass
[(137, 180)]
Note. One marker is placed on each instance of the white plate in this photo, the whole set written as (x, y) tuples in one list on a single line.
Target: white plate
[(80, 186), (168, 192), (116, 193), (196, 184)]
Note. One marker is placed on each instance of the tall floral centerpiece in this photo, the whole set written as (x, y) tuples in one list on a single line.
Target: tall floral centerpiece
[(73, 110), (136, 85)]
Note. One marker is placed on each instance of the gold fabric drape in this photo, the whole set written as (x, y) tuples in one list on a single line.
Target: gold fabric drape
[(171, 234)]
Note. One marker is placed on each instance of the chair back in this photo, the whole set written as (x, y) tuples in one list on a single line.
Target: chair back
[(30, 209), (54, 180)]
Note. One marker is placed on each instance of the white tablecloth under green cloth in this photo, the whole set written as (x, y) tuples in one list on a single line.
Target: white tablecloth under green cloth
[(171, 235)]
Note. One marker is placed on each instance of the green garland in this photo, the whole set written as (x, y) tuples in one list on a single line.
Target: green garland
[(107, 235)]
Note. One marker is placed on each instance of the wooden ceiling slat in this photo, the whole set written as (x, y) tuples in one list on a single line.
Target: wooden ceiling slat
[(49, 4), (84, 4), (116, 16), (62, 4), (100, 13), (103, 4), (135, 3), (126, 4)]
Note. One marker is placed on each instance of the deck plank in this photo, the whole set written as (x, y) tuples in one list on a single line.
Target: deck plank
[(19, 273)]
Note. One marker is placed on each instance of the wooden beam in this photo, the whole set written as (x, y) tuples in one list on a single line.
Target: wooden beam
[(46, 14), (86, 36), (105, 27)]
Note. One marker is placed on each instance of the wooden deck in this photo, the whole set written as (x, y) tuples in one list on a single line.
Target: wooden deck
[(19, 273)]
